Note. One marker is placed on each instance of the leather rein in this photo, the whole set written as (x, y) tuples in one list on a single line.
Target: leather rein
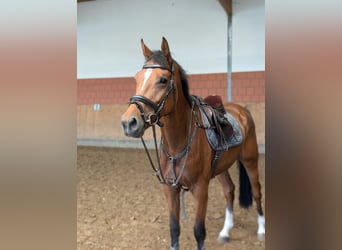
[(154, 119)]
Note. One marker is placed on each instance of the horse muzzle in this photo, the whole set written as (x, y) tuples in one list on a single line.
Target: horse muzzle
[(133, 126)]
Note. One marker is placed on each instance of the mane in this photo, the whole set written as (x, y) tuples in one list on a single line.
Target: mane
[(159, 58)]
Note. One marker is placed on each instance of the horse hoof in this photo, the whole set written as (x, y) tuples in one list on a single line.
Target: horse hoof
[(223, 239), (176, 247)]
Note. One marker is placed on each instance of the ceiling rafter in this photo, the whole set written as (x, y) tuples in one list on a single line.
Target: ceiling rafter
[(227, 6)]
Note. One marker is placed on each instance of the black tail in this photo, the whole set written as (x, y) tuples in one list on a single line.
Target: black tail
[(245, 197)]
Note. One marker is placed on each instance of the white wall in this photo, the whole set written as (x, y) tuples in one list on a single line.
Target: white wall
[(109, 35), (248, 35)]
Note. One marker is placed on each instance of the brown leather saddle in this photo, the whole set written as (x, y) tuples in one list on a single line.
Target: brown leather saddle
[(216, 115), (222, 129)]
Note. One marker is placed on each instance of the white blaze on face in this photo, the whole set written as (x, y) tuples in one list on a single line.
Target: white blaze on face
[(147, 75)]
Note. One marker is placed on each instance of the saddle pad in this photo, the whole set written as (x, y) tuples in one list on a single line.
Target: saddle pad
[(213, 137)]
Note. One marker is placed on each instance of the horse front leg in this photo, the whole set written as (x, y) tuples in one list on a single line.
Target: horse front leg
[(200, 193), (173, 201)]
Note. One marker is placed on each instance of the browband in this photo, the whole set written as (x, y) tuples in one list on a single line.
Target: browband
[(155, 66)]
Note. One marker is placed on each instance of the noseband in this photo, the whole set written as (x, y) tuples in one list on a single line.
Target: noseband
[(154, 118)]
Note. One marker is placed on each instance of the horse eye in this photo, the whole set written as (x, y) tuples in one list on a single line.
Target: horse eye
[(163, 80)]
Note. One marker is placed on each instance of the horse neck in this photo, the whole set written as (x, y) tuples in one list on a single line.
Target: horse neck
[(175, 130)]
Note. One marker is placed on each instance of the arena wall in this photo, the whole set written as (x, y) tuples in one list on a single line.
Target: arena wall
[(102, 127), (246, 87)]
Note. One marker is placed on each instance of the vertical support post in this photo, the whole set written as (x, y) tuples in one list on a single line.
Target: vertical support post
[(229, 58)]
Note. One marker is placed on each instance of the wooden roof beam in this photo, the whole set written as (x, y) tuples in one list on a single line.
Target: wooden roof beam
[(227, 6)]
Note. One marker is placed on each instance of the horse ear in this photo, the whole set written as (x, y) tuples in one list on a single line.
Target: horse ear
[(146, 51), (166, 51)]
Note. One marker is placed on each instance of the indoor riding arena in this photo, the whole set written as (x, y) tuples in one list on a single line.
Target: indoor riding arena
[(120, 203)]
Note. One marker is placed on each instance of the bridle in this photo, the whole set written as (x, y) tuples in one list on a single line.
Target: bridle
[(154, 118)]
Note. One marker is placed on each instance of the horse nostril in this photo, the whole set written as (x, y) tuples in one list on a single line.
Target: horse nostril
[(132, 127), (132, 122)]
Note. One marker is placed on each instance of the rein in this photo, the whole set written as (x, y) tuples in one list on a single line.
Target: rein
[(153, 120), (184, 153)]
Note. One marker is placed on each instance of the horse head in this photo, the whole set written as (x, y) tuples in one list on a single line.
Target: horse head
[(155, 92)]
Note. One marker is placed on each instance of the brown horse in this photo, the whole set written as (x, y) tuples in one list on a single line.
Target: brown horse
[(186, 161)]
